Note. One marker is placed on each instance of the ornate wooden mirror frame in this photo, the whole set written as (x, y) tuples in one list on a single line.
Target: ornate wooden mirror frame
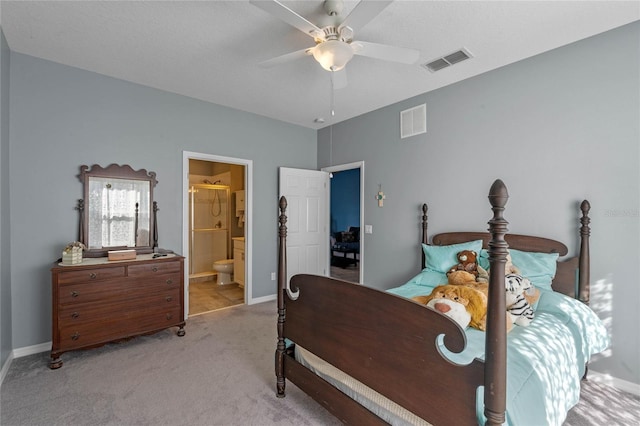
[(118, 208)]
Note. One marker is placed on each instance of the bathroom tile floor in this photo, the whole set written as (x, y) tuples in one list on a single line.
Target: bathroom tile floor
[(206, 296)]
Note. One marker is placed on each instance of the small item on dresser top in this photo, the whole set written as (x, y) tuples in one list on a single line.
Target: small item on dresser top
[(72, 253), (122, 254), (158, 250)]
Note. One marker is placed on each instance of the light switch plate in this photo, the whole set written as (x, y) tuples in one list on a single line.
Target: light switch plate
[(368, 229)]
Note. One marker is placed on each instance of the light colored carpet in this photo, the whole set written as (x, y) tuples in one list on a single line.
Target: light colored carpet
[(604, 405), (220, 373)]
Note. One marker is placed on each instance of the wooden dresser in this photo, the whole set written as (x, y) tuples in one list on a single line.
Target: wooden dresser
[(100, 301)]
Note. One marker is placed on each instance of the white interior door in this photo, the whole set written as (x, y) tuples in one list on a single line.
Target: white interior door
[(307, 194)]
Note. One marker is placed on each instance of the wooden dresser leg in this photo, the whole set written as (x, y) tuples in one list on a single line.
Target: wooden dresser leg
[(55, 362)]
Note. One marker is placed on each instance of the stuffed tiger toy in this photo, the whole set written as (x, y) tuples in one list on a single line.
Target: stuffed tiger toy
[(517, 305)]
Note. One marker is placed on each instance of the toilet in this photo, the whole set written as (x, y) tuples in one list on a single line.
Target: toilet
[(224, 268)]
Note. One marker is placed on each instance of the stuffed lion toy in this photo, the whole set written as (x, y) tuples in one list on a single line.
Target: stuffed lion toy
[(474, 301)]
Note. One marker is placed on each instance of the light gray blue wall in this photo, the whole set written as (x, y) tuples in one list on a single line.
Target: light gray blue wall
[(5, 253), (63, 117), (557, 128)]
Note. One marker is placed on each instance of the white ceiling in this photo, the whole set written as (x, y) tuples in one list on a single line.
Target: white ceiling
[(210, 50)]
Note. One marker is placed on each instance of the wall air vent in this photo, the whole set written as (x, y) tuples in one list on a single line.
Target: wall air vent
[(447, 60), (413, 121)]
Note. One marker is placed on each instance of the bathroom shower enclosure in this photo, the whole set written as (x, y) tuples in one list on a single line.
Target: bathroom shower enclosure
[(209, 224)]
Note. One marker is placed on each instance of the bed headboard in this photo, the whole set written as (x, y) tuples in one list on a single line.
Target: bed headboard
[(572, 275)]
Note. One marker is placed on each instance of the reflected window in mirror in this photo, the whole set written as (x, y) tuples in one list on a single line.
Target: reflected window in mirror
[(118, 213)]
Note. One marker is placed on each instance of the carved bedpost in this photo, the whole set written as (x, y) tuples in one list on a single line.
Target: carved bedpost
[(495, 370), (584, 276), (425, 236), (282, 284)]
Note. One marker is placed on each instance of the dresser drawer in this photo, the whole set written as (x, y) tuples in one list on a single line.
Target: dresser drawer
[(97, 312), (90, 275), (121, 289), (159, 282), (153, 268), (91, 292), (108, 329)]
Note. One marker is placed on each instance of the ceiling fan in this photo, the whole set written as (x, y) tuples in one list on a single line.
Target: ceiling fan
[(335, 45)]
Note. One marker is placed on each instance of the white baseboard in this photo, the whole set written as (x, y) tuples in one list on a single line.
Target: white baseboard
[(262, 299), (30, 350), (617, 383)]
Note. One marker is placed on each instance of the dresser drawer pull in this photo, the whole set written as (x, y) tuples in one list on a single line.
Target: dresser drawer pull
[(169, 316), (169, 281), (93, 275), (75, 294), (154, 269), (169, 298), (75, 336), (75, 315)]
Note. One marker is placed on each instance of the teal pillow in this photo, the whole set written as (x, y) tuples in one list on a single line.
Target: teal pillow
[(442, 258), (539, 267)]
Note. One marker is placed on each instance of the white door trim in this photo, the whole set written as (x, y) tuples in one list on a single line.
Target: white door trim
[(349, 166), (248, 182)]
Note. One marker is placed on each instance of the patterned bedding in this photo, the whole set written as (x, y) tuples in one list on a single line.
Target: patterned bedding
[(545, 360)]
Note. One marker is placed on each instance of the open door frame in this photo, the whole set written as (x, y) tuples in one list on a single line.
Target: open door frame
[(248, 235), (350, 166)]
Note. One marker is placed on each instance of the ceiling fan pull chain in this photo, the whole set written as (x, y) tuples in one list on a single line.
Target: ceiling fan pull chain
[(333, 112)]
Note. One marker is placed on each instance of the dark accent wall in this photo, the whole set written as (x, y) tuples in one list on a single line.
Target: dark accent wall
[(345, 199)]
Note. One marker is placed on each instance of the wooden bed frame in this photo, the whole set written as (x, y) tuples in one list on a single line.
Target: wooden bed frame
[(387, 342)]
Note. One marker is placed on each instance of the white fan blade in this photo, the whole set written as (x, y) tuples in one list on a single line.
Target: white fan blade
[(339, 79), (385, 52), (282, 12), (278, 60), (364, 12)]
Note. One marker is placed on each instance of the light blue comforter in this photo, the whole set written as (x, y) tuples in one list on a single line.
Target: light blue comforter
[(545, 361)]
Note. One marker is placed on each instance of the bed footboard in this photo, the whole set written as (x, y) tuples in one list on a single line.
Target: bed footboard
[(387, 342)]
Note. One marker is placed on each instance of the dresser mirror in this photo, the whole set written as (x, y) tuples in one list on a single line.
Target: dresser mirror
[(118, 211)]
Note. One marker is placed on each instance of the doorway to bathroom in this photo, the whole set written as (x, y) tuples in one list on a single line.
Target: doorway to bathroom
[(215, 233)]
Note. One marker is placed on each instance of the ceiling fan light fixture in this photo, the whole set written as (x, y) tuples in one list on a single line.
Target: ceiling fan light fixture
[(333, 55)]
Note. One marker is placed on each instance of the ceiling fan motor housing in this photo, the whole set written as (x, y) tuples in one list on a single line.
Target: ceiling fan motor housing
[(333, 33)]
